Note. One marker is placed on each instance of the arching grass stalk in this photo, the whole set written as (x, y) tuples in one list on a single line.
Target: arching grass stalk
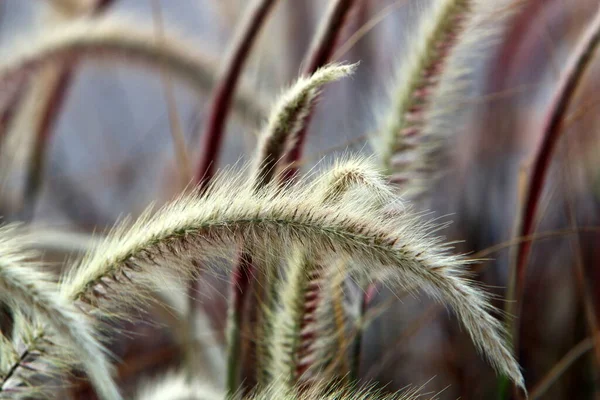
[(579, 62)]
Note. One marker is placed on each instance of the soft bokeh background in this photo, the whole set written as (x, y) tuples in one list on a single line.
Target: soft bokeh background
[(111, 154)]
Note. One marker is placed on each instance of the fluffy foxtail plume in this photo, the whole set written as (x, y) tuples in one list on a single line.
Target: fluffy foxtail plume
[(288, 118), (481, 25), (400, 249), (300, 295), (295, 338), (31, 291), (175, 387), (325, 390), (406, 152)]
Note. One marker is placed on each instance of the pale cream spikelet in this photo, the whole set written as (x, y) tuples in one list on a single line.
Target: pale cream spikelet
[(405, 151), (288, 117), (286, 120), (299, 293), (119, 39), (400, 249), (293, 339), (26, 288), (326, 390), (453, 99), (8, 355)]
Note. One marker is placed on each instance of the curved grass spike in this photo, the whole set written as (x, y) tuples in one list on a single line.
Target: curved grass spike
[(319, 55), (400, 249), (404, 147), (32, 291), (116, 39), (578, 64), (286, 119), (295, 327), (326, 390), (175, 387)]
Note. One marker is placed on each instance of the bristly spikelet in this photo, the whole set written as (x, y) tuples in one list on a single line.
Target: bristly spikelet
[(448, 104), (288, 117), (286, 120), (8, 355), (299, 296), (296, 328), (119, 39), (405, 151), (28, 289), (349, 174), (174, 386), (326, 390), (399, 248)]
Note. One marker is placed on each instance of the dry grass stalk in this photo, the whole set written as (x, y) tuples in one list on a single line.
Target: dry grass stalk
[(117, 39)]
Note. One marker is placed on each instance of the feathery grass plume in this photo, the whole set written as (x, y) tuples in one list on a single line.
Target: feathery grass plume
[(329, 354), (175, 386), (288, 117), (117, 38), (319, 54), (8, 355), (399, 248), (295, 323), (286, 120), (406, 150), (324, 390), (28, 289), (483, 24), (299, 297)]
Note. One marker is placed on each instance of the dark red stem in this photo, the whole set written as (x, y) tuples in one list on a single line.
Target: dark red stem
[(550, 135), (211, 146), (225, 88), (551, 132)]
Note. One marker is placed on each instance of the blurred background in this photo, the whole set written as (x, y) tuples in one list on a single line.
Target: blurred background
[(111, 153)]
